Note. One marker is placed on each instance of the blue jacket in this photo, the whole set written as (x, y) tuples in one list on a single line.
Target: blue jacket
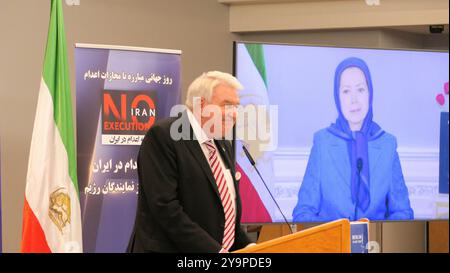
[(325, 193)]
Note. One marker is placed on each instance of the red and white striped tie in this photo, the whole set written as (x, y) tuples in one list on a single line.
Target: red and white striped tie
[(225, 196)]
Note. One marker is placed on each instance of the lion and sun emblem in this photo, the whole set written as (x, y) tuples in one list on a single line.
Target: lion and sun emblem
[(59, 208)]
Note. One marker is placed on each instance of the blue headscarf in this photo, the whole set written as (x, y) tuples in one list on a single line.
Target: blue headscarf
[(357, 141)]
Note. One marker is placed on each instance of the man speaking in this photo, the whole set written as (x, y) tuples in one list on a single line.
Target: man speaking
[(188, 191)]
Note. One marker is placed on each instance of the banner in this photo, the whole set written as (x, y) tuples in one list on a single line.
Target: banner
[(359, 232), (121, 92), (443, 154)]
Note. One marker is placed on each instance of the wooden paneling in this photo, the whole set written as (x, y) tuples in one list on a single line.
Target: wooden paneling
[(438, 237)]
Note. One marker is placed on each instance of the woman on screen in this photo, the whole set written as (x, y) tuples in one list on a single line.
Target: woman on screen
[(354, 169)]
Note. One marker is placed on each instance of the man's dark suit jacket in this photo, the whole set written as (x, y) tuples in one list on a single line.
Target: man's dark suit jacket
[(179, 207)]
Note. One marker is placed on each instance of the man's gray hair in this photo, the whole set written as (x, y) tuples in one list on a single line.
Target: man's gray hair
[(204, 85)]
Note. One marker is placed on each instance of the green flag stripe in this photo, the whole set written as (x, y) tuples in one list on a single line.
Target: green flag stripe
[(56, 76), (257, 54)]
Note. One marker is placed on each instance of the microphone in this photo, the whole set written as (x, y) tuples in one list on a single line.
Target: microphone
[(359, 165), (252, 161)]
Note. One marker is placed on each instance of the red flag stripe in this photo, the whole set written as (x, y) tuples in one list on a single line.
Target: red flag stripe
[(253, 208), (33, 237)]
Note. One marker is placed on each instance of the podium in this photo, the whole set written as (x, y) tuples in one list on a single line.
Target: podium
[(332, 237)]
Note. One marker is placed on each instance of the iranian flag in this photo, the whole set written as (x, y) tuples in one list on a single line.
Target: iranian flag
[(257, 205), (51, 214)]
